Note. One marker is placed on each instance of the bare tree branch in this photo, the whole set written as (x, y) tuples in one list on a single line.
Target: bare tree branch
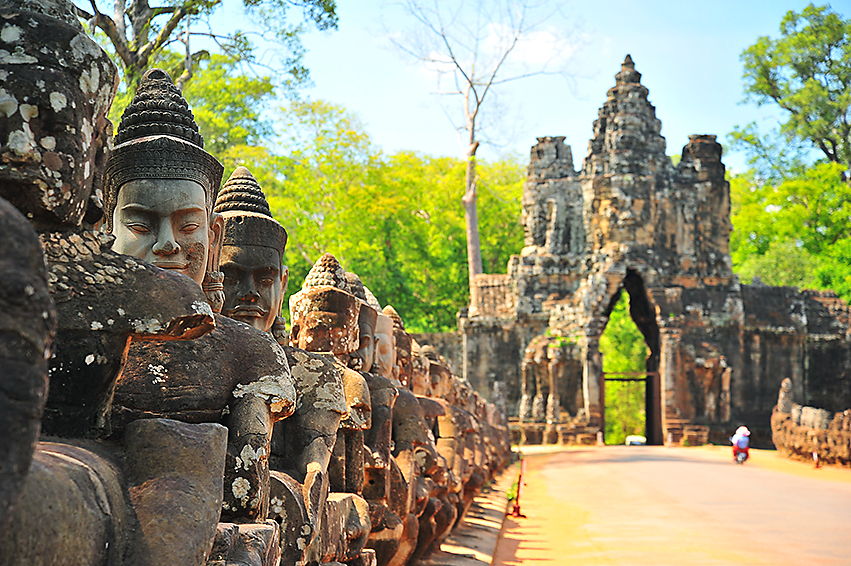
[(475, 50)]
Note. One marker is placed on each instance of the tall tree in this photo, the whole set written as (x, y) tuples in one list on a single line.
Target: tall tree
[(138, 32), (473, 46), (807, 73)]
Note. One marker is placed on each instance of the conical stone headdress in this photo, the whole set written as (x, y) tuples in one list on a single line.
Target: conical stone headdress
[(248, 220), (327, 272), (158, 139)]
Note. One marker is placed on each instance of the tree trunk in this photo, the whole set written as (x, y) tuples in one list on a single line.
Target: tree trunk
[(474, 247)]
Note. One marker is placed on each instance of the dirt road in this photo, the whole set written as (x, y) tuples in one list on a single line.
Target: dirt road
[(658, 506)]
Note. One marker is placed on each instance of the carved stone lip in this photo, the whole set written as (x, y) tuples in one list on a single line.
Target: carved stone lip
[(171, 264), (247, 312), (182, 328)]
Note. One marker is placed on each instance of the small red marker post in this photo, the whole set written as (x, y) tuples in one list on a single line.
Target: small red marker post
[(515, 512)]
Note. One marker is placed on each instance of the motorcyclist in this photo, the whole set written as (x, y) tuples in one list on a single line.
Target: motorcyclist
[(741, 441)]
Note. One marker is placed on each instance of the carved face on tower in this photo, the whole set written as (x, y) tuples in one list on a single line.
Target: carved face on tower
[(57, 86), (161, 184), (252, 249)]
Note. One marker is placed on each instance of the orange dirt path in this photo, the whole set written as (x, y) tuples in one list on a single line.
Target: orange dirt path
[(679, 506)]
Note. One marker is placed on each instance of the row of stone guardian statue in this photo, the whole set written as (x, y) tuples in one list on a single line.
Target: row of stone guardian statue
[(153, 409)]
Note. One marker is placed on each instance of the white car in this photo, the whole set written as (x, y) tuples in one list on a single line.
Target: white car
[(635, 440)]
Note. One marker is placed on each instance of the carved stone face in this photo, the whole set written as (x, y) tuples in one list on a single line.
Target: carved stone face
[(56, 89), (362, 358), (403, 368), (254, 284), (385, 350), (166, 222), (324, 319)]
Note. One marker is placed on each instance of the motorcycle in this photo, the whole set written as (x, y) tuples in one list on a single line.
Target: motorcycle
[(741, 455)]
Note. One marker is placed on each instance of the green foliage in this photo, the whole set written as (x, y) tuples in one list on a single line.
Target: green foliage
[(624, 350), (797, 232), (511, 493), (807, 73), (227, 103), (396, 221)]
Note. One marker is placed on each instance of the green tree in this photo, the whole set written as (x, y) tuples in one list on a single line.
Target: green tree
[(797, 232), (228, 104), (393, 220), (624, 351), (474, 47), (807, 73), (138, 32)]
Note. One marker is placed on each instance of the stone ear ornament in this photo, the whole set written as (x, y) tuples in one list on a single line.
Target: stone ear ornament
[(214, 290)]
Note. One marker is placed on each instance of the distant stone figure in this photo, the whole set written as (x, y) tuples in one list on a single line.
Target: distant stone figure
[(325, 319), (785, 398)]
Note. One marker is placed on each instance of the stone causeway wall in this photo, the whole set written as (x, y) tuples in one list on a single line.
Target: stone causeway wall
[(807, 430)]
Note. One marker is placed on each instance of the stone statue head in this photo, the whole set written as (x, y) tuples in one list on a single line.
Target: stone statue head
[(324, 313), (253, 245), (385, 346), (362, 358), (161, 185), (57, 86), (403, 367), (439, 373), (420, 382)]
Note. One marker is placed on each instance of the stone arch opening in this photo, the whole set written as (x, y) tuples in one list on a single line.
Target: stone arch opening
[(643, 314)]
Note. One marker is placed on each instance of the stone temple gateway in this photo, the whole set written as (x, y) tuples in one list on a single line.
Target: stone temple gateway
[(630, 221)]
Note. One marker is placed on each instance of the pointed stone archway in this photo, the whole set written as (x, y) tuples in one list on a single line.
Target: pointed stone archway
[(643, 314)]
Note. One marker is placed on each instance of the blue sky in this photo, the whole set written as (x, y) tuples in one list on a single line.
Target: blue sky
[(687, 51)]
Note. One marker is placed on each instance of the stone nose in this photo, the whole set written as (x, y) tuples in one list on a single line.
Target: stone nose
[(166, 244)]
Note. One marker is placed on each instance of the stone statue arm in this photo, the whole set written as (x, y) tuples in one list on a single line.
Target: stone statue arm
[(313, 427), (246, 486)]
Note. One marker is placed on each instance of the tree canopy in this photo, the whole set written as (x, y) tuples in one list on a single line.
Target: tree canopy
[(394, 220), (138, 32), (807, 73)]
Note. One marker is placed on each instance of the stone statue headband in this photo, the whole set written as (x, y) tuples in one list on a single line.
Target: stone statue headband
[(163, 157), (252, 229)]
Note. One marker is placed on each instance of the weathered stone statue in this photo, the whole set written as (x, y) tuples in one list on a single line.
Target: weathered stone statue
[(385, 350), (534, 372), (420, 382), (403, 368), (387, 527), (160, 189), (27, 326), (325, 318), (57, 88), (254, 285)]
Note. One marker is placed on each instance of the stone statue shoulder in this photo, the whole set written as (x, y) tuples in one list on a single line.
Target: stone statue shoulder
[(318, 380), (198, 380), (102, 299)]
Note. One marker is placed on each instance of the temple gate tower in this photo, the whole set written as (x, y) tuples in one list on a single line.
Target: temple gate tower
[(630, 221)]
